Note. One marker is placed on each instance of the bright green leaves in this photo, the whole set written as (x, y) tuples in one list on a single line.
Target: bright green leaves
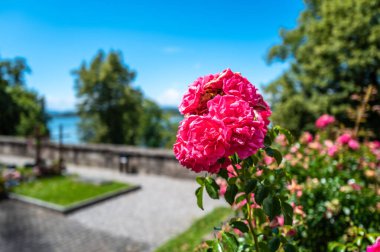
[(272, 207), (230, 194), (229, 241), (199, 195), (212, 189)]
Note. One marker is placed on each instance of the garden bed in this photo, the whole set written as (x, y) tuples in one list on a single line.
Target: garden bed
[(67, 193)]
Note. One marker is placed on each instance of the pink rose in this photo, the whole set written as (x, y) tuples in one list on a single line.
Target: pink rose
[(201, 143), (306, 138), (224, 114), (324, 121), (344, 138), (247, 134), (332, 150), (353, 144), (195, 99), (375, 247)]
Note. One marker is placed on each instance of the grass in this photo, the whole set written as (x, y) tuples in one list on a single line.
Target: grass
[(65, 190), (192, 237)]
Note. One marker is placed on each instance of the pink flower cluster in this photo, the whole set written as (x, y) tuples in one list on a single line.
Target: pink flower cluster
[(347, 139), (324, 121), (224, 114)]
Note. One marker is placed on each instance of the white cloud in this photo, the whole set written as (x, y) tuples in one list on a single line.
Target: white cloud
[(171, 49), (170, 97)]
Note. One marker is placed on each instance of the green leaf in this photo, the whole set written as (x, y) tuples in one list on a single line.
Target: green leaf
[(230, 241), (290, 248), (274, 153), (272, 207), (255, 159), (223, 173), (267, 140), (260, 215), (358, 241), (230, 194), (212, 188), (240, 225), (250, 186), (216, 246), (261, 193), (287, 211), (199, 194), (263, 247), (286, 132), (274, 244), (235, 159), (200, 180)]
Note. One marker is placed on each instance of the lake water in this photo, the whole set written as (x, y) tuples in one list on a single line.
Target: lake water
[(70, 129)]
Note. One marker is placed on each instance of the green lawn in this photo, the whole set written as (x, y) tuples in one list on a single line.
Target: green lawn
[(191, 238), (65, 190)]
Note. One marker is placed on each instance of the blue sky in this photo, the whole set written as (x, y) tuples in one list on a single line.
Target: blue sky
[(168, 43)]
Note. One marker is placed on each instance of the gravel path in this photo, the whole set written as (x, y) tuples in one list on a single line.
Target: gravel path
[(25, 228), (162, 208)]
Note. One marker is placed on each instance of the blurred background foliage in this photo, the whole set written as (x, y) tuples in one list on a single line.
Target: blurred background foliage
[(113, 111), (22, 109), (334, 56)]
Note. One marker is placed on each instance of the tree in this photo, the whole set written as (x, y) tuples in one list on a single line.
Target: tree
[(22, 110), (109, 107), (334, 56)]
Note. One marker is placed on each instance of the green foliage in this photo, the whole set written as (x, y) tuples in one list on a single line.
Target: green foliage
[(334, 58), (112, 111), (257, 193), (188, 240), (22, 110)]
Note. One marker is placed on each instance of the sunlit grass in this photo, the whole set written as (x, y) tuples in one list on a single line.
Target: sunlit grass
[(193, 236), (65, 190)]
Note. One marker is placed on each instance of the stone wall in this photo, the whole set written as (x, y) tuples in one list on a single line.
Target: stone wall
[(116, 157)]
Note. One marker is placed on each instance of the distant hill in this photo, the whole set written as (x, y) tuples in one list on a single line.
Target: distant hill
[(68, 113)]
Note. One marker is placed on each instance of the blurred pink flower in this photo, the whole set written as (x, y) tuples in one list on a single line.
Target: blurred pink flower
[(278, 221), (353, 144), (375, 247), (222, 185), (344, 138), (332, 150), (324, 120), (306, 137), (295, 188), (268, 160)]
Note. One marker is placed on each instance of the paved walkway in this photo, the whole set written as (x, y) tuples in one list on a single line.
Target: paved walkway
[(163, 207)]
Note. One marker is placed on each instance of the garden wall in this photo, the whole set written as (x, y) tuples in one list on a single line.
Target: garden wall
[(115, 157)]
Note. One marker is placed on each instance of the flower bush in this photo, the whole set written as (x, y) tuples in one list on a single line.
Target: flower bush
[(225, 134), (324, 195)]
